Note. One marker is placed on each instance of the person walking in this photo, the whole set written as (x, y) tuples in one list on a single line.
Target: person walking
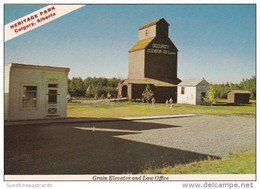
[(108, 95), (153, 102), (171, 102)]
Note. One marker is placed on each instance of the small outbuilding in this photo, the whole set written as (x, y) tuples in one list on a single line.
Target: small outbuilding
[(192, 91), (35, 92), (238, 96)]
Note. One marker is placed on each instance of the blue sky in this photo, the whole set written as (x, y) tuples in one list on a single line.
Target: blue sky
[(216, 42)]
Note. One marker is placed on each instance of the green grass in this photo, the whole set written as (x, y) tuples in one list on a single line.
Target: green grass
[(239, 163), (125, 109)]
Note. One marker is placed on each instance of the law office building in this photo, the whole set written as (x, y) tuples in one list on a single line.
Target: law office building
[(35, 92)]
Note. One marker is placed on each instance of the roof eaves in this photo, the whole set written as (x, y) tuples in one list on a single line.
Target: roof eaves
[(240, 91), (141, 44), (191, 82), (149, 81), (31, 66), (150, 24)]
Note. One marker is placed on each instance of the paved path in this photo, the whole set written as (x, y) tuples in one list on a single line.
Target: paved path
[(85, 120), (123, 146)]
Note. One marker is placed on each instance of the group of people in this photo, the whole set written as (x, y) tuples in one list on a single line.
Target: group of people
[(108, 96), (170, 101)]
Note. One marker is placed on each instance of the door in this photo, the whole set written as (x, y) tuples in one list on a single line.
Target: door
[(52, 109), (203, 95), (124, 91)]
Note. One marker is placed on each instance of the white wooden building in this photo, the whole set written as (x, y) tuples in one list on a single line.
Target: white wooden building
[(35, 92), (192, 91)]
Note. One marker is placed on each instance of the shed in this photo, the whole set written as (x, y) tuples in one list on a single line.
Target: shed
[(35, 92), (192, 91), (238, 96)]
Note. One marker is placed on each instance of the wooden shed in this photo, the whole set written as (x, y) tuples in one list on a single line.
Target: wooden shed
[(192, 91), (238, 96)]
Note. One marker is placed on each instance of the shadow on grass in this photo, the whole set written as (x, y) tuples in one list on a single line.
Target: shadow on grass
[(64, 149), (231, 104)]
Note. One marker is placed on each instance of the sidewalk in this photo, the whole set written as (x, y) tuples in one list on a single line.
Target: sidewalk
[(82, 120)]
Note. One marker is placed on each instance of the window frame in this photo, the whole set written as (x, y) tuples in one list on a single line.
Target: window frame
[(182, 90), (52, 86), (22, 98)]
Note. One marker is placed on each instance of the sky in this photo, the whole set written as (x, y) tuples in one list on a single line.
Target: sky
[(217, 42)]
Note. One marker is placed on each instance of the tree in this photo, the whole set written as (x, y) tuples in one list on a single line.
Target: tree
[(246, 84), (88, 91), (147, 93), (76, 87), (96, 90), (92, 86), (211, 95)]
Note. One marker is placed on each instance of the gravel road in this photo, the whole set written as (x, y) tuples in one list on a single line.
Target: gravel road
[(123, 146), (213, 135)]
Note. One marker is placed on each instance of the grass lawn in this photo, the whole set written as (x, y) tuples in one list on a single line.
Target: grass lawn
[(240, 163), (125, 109)]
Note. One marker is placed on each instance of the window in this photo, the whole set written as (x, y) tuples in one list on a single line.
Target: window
[(29, 97), (52, 99), (182, 90), (52, 85), (52, 93), (146, 32)]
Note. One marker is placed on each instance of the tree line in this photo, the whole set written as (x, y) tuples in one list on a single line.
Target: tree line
[(93, 87), (246, 84)]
